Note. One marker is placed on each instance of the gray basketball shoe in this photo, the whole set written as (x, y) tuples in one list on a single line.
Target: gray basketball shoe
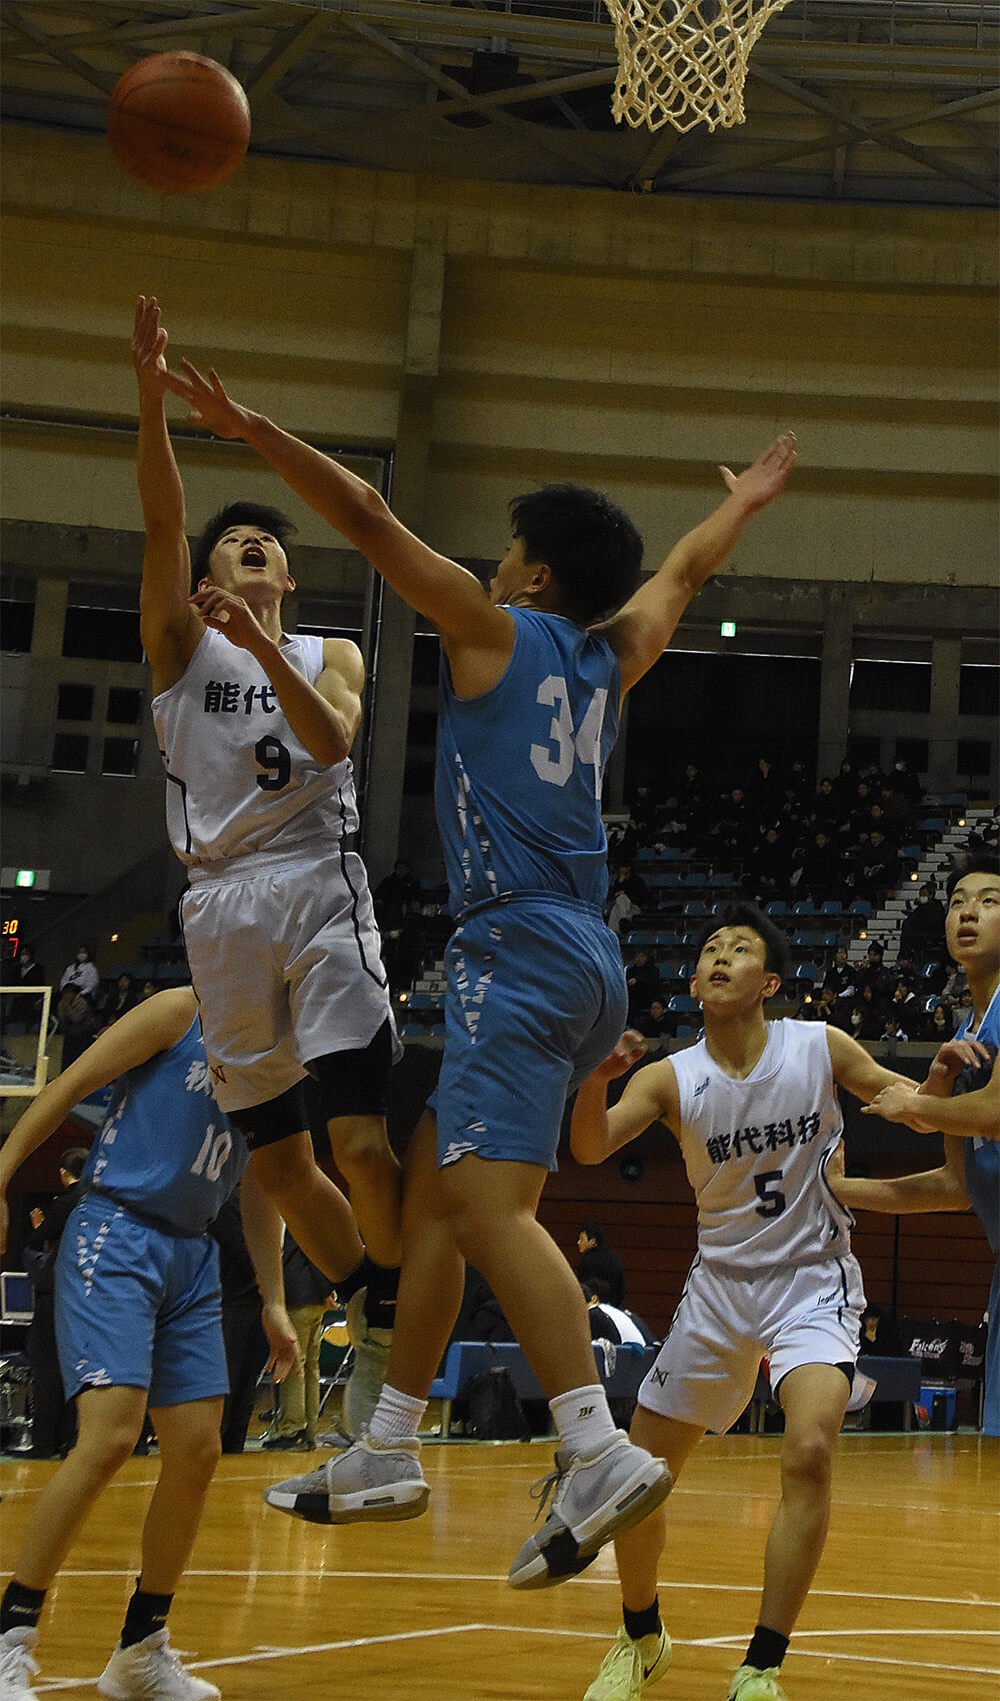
[(596, 1498), (368, 1480)]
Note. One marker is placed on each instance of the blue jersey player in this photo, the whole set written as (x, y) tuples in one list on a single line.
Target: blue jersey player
[(531, 690), (966, 1069), (138, 1319)]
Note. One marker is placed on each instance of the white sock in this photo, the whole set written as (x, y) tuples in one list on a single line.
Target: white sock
[(397, 1416), (583, 1419)]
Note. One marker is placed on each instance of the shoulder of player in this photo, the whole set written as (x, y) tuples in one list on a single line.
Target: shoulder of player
[(342, 656)]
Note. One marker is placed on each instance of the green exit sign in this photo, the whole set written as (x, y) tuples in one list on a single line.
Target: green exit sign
[(25, 877), (728, 628)]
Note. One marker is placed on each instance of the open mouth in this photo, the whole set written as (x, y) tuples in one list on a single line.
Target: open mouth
[(253, 556), (717, 978)]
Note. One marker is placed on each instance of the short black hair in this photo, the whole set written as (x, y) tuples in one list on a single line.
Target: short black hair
[(593, 1231), (73, 1160), (589, 544), (777, 958), (271, 520), (975, 859)]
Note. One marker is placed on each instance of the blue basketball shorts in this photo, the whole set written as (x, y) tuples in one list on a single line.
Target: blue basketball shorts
[(535, 999), (137, 1307)]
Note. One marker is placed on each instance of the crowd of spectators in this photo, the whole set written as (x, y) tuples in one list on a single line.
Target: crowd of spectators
[(781, 839)]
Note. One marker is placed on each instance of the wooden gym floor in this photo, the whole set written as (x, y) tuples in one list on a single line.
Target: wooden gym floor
[(905, 1606)]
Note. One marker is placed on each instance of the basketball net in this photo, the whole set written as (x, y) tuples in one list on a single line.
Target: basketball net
[(684, 62)]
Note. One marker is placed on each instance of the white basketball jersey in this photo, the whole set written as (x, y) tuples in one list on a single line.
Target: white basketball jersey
[(238, 780), (756, 1152)]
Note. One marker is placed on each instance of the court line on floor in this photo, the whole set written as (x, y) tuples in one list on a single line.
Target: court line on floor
[(333, 1574), (268, 1652)]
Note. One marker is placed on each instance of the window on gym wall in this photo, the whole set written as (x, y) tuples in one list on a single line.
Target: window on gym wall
[(901, 685), (69, 753), (120, 756), (979, 690), (724, 711), (74, 702), (17, 613), (102, 621), (124, 705)]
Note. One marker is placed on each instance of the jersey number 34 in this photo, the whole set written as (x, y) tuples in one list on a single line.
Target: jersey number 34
[(583, 743)]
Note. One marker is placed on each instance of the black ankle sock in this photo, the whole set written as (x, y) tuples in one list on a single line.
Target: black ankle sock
[(145, 1614), (21, 1607), (645, 1623), (767, 1648), (380, 1300)]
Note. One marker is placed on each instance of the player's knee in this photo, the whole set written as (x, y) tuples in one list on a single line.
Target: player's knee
[(109, 1446), (195, 1456), (360, 1148), (807, 1458)]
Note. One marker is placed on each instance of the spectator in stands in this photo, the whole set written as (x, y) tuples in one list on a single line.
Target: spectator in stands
[(822, 869), (480, 1316), (772, 865), (25, 970), (656, 1023), (873, 973), (81, 976), (643, 981), (903, 779), (893, 1031), (907, 969), (940, 1024), (922, 931), (394, 895), (845, 788), (877, 868), (122, 996), (764, 790), (879, 1335), (840, 974), (906, 1006), (621, 908), (644, 811), (597, 1262), (826, 808), (611, 1322)]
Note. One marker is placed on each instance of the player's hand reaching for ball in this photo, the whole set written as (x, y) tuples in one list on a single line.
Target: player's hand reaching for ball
[(207, 400), (149, 341), (760, 483)]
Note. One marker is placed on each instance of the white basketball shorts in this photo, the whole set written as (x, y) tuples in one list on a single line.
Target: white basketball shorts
[(725, 1323)]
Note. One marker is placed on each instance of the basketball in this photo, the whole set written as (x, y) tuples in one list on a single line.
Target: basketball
[(178, 122)]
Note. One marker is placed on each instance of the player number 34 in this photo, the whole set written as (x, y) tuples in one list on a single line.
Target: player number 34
[(554, 765)]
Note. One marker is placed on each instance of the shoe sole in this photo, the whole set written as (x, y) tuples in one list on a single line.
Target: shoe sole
[(566, 1555), (370, 1505)]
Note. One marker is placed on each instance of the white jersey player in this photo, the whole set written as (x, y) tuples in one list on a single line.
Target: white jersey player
[(755, 1110), (255, 730)]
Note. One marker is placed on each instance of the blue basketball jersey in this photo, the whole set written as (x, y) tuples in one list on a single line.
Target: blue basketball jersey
[(165, 1149), (982, 1181), (520, 768), (982, 1156)]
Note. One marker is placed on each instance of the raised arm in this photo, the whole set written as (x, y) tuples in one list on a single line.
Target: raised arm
[(170, 628), (641, 630), (436, 587), (151, 1027), (650, 1096)]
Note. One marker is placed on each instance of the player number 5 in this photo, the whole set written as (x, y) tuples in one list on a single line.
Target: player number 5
[(772, 1200)]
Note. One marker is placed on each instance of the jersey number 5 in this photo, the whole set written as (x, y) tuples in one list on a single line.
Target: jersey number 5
[(772, 1200), (583, 742)]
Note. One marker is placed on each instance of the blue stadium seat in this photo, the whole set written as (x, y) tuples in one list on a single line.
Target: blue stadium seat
[(831, 906), (803, 906), (682, 1004), (810, 972), (861, 907), (777, 906)]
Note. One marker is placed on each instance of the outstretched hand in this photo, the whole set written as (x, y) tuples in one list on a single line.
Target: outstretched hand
[(761, 483), (627, 1052), (207, 400), (954, 1056), (149, 340)]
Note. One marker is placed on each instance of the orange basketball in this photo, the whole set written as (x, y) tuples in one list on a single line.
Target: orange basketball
[(178, 122)]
